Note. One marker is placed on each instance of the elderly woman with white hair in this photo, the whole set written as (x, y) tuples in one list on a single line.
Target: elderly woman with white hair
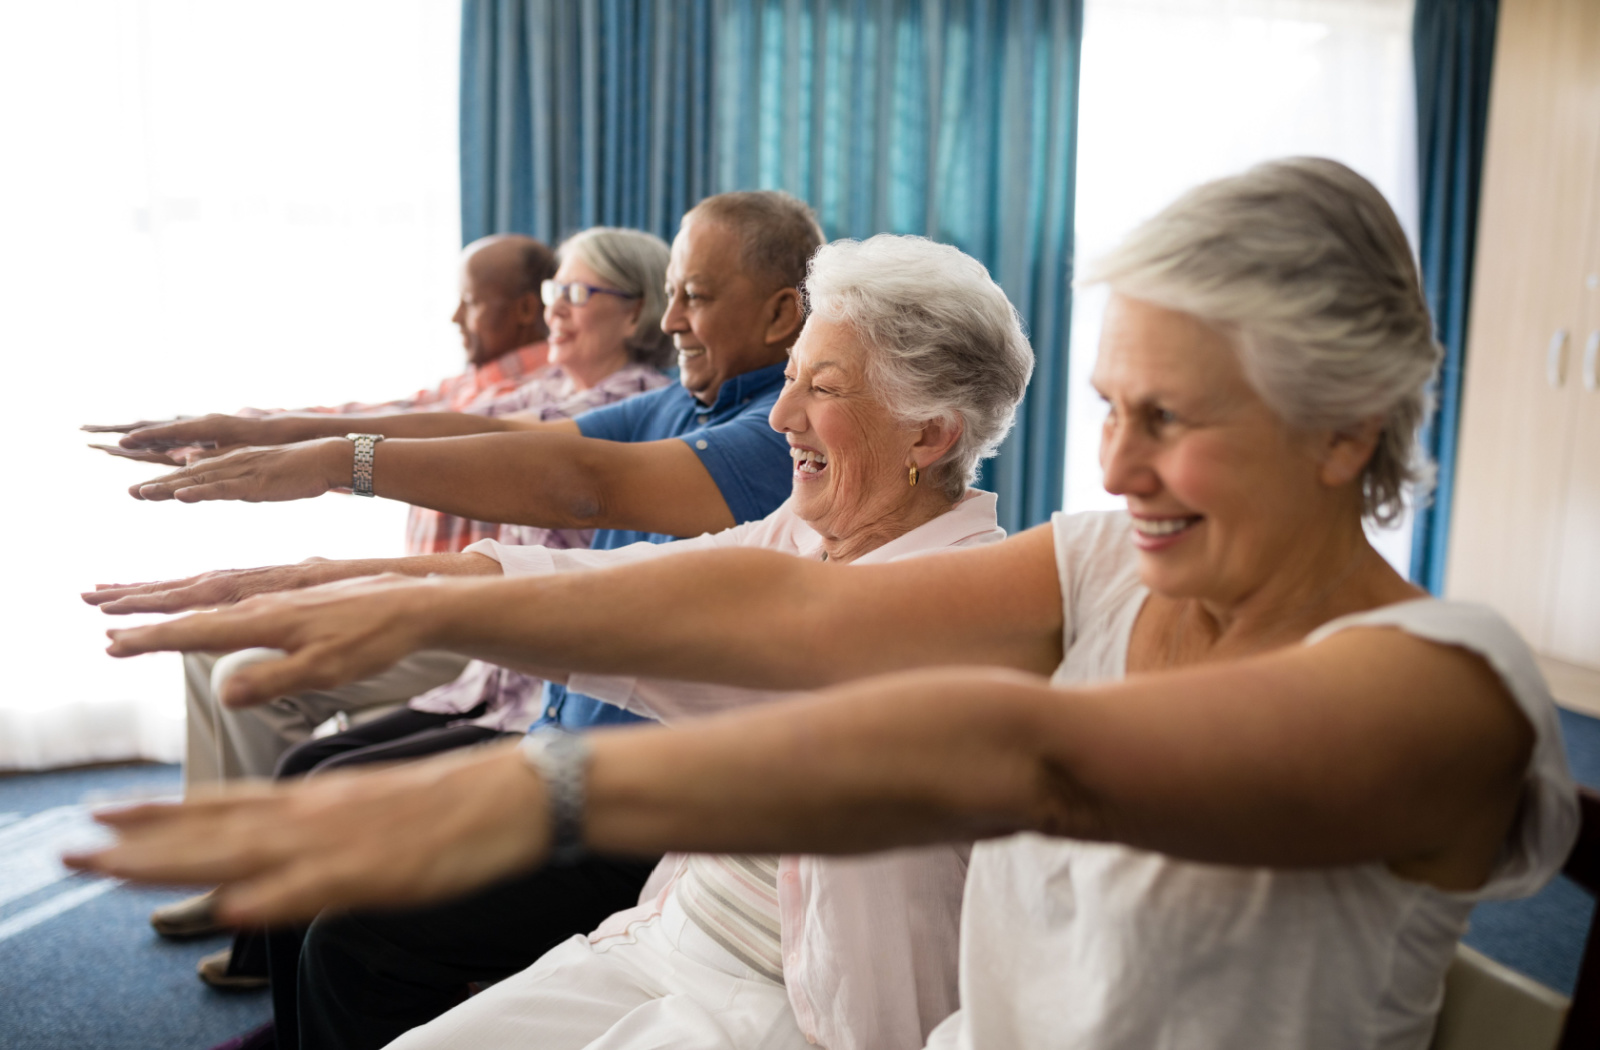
[(1240, 783), (907, 374)]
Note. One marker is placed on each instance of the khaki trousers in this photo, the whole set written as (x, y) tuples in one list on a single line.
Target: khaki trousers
[(225, 744)]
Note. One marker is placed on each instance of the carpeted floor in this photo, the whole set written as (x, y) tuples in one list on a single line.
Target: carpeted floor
[(80, 968)]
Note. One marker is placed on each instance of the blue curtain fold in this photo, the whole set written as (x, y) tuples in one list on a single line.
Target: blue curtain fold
[(954, 119), (1453, 49)]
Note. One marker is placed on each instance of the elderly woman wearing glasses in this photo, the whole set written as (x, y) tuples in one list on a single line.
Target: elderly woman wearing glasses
[(1240, 783)]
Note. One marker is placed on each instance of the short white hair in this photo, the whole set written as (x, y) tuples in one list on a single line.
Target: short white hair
[(944, 341), (633, 262), (1302, 263)]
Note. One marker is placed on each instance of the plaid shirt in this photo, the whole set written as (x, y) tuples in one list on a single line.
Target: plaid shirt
[(547, 395)]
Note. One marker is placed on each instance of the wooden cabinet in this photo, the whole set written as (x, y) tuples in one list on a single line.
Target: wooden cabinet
[(1525, 527)]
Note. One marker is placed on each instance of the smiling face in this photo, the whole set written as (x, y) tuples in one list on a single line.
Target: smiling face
[(1223, 492), (589, 341), (851, 454), (721, 318)]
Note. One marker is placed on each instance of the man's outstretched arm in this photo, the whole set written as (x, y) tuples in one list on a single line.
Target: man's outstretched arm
[(287, 428), (552, 478)]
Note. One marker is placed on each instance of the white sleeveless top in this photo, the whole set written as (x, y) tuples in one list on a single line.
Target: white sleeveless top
[(1092, 946)]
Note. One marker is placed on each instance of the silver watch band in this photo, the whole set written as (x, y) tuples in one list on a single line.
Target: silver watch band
[(561, 759), (361, 476)]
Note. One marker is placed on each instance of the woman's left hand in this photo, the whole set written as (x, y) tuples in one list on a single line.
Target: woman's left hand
[(404, 835), (336, 633)]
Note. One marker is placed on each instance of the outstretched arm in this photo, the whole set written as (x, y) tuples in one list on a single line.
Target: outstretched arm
[(285, 428), (210, 590), (551, 478), (741, 617), (1370, 747)]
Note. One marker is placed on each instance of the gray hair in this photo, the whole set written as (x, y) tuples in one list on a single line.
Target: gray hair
[(634, 262), (1304, 265), (778, 233), (948, 343)]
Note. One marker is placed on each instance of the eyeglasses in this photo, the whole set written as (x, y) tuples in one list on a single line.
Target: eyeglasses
[(576, 293)]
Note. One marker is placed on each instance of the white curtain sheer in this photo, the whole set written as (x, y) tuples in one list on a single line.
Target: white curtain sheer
[(205, 206), (1175, 92)]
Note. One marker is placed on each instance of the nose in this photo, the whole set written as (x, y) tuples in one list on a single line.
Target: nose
[(788, 415), (1125, 460), (459, 318), (676, 318)]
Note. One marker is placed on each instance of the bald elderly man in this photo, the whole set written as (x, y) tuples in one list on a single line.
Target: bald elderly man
[(501, 318)]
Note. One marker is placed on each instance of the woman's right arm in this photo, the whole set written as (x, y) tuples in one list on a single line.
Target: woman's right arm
[(225, 431), (229, 586), (737, 617)]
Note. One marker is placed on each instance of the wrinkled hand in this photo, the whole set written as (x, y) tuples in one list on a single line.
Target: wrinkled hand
[(258, 475), (336, 633), (405, 835), (209, 590)]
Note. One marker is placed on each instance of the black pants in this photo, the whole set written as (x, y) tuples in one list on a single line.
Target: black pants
[(366, 979), (363, 980), (398, 735)]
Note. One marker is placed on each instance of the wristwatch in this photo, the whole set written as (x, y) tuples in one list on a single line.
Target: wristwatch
[(561, 759), (361, 478)]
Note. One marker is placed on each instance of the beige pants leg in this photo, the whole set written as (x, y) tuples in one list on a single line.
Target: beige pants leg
[(224, 744)]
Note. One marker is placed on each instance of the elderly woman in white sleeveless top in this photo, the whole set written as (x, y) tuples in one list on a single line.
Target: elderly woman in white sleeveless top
[(1238, 784)]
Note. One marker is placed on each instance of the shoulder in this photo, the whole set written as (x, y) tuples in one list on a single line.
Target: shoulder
[(1095, 558), (1473, 656), (635, 418)]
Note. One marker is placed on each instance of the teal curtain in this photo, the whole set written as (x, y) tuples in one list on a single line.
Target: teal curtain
[(1453, 49), (954, 119)]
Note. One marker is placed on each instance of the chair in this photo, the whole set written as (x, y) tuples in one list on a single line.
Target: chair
[(1488, 1006)]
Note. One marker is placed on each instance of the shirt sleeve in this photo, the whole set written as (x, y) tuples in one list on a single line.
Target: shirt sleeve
[(748, 460), (621, 421)]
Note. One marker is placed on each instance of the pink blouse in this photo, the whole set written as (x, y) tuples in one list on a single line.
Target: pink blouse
[(870, 944)]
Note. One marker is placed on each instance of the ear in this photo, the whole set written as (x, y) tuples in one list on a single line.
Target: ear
[(936, 438), (1344, 454), (784, 317), (633, 320), (529, 308)]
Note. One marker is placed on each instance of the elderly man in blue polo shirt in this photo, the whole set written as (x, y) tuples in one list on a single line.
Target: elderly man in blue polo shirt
[(695, 457)]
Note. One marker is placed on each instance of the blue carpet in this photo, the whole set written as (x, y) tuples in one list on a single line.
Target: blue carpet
[(80, 968)]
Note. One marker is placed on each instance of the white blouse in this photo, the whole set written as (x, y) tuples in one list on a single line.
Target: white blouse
[(1103, 947)]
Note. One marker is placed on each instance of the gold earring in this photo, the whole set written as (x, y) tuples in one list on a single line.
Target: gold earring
[(915, 474)]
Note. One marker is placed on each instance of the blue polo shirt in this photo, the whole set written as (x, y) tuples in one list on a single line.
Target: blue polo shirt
[(747, 459)]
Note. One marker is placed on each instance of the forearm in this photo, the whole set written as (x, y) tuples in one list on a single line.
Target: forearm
[(752, 618), (292, 427), (934, 756), (541, 479)]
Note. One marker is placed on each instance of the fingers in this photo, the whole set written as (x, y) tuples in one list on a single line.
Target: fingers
[(140, 455), (123, 428), (221, 631), (162, 488)]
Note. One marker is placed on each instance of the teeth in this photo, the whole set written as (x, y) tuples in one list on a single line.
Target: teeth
[(1162, 526), (807, 461)]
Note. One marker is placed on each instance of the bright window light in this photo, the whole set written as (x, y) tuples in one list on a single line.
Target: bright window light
[(207, 206)]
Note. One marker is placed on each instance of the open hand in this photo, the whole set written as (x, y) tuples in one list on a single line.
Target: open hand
[(336, 633), (208, 590), (258, 475), (402, 835)]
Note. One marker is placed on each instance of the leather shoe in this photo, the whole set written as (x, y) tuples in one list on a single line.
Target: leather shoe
[(191, 917), (213, 969)]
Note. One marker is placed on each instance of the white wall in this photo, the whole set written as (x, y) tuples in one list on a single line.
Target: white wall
[(204, 206)]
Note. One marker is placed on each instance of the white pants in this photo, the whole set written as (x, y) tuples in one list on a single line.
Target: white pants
[(227, 743), (665, 985)]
